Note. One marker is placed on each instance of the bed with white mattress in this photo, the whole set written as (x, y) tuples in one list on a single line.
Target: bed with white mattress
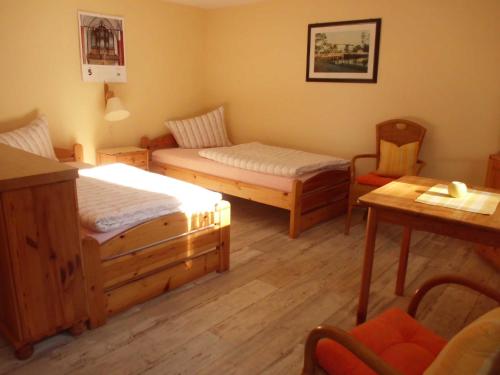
[(314, 188), (145, 234)]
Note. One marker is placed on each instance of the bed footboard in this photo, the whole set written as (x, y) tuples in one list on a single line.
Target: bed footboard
[(318, 199), (153, 258)]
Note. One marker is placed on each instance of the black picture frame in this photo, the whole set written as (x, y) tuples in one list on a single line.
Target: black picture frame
[(331, 58)]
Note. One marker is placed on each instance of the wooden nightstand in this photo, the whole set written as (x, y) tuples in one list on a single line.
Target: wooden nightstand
[(135, 156)]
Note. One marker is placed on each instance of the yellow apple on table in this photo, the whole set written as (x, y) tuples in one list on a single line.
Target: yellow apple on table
[(457, 189)]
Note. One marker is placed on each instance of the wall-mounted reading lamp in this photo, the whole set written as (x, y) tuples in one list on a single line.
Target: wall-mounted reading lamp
[(115, 110)]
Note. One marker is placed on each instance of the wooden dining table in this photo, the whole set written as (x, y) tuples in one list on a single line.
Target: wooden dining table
[(395, 203)]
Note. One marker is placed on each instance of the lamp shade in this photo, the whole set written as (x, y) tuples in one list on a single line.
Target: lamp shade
[(115, 110)]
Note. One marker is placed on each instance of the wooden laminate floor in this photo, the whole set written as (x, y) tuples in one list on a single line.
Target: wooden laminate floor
[(254, 319)]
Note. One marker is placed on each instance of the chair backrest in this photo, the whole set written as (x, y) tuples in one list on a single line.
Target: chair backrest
[(399, 132), (473, 350)]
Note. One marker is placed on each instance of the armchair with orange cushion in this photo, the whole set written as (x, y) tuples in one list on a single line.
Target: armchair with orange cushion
[(398, 145), (394, 343)]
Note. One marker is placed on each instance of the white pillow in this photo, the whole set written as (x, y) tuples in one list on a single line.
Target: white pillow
[(208, 130), (33, 138)]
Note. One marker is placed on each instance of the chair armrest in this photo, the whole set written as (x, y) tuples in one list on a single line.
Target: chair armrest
[(353, 163), (420, 165), (449, 279), (366, 355)]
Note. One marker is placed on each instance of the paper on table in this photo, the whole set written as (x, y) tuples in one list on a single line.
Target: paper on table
[(481, 202)]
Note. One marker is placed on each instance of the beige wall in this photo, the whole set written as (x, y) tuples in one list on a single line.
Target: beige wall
[(40, 69), (439, 65)]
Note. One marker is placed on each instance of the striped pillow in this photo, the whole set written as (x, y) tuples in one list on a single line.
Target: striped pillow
[(208, 130), (33, 138), (397, 161)]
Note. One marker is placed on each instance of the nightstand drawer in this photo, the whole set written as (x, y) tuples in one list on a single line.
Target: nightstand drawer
[(139, 159)]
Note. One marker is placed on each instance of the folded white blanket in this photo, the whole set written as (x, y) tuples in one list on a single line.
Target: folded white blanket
[(117, 195), (273, 160)]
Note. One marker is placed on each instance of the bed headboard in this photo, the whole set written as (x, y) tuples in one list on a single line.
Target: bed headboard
[(74, 154), (165, 141)]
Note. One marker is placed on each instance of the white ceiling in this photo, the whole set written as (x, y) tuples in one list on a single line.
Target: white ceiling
[(211, 4)]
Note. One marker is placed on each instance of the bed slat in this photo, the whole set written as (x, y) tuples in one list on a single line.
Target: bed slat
[(239, 189), (324, 196), (134, 265), (326, 179), (324, 213), (149, 287), (152, 232)]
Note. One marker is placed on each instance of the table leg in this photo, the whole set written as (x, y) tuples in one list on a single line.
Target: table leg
[(371, 234), (403, 261)]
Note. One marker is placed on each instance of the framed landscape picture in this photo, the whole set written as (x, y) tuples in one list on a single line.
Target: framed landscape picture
[(102, 48), (343, 51)]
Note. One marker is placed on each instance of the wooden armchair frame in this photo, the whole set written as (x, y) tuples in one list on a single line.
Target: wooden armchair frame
[(397, 131), (365, 354)]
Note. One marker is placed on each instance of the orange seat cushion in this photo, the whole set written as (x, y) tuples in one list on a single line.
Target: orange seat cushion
[(395, 336), (373, 179)]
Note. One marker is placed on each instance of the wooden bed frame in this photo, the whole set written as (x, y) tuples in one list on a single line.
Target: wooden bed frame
[(151, 258), (318, 199)]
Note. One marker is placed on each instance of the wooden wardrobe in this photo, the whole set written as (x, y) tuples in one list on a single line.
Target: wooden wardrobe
[(41, 277)]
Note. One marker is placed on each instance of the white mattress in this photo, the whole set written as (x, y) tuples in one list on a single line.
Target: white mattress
[(117, 196), (189, 159), (276, 161)]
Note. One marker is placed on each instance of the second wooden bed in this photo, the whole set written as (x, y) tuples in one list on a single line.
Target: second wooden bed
[(310, 202), (151, 258)]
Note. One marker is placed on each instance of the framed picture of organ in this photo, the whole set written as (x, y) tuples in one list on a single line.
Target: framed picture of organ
[(102, 48)]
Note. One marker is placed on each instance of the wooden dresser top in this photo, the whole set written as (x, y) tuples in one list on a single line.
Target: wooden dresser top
[(20, 169)]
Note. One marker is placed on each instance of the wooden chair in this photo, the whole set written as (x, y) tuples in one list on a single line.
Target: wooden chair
[(397, 131), (348, 351)]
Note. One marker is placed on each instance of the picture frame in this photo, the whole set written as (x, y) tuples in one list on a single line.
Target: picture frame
[(346, 51), (102, 47)]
